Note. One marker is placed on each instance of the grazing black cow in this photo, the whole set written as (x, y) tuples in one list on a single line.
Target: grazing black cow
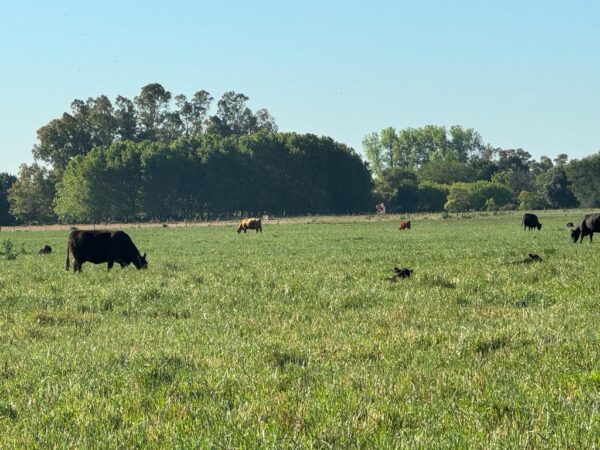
[(45, 249), (570, 224), (400, 273), (589, 224), (103, 246), (530, 259), (531, 221)]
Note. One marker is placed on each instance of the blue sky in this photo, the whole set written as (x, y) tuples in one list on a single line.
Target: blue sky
[(522, 73)]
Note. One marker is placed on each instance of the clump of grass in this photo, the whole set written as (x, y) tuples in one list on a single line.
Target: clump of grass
[(8, 410), (283, 358), (439, 281), (8, 250), (486, 346)]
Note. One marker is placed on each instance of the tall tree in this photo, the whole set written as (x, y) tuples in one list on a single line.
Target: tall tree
[(60, 140), (152, 109), (125, 118), (32, 194), (193, 113), (233, 114), (398, 189), (585, 182), (6, 182)]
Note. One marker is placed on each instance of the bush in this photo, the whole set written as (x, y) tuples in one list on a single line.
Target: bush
[(431, 196), (478, 196), (8, 250)]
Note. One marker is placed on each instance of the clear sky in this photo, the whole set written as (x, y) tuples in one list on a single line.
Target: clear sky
[(522, 73)]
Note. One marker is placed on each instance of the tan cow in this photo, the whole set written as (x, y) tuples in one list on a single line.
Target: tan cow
[(251, 223), (404, 225)]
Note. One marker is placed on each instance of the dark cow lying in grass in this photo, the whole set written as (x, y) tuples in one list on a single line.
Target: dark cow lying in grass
[(404, 225), (250, 224), (589, 224), (400, 273), (45, 249), (103, 247), (530, 221), (530, 259)]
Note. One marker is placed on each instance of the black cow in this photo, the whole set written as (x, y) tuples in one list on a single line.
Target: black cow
[(589, 224), (531, 221), (45, 249), (400, 273), (103, 246)]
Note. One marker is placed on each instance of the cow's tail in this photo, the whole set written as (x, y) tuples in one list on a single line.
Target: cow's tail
[(67, 264)]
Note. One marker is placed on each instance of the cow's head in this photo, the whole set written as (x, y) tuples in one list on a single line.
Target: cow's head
[(240, 228), (575, 234), (539, 226), (141, 262)]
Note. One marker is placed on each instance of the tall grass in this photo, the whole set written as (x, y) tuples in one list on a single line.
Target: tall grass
[(295, 338)]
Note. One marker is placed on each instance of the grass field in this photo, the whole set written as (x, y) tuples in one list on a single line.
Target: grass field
[(294, 338)]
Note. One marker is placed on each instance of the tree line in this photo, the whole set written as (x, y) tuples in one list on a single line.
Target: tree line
[(435, 168), (159, 157)]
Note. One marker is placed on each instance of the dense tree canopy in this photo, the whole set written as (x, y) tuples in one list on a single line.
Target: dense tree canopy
[(584, 176), (164, 156), (31, 195), (6, 182), (96, 122), (209, 176)]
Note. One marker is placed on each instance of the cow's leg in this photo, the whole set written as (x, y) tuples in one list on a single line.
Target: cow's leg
[(76, 266), (591, 234), (110, 264)]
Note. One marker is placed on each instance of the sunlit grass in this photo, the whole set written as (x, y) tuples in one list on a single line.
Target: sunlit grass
[(295, 338)]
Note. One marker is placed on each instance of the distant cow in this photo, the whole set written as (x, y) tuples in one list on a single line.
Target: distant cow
[(45, 249), (404, 225), (589, 224), (250, 224), (531, 221), (570, 224), (103, 246), (400, 273)]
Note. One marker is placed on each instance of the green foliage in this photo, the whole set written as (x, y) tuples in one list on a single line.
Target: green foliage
[(8, 250), (150, 116), (212, 175), (31, 195), (446, 172), (411, 148), (397, 188), (557, 189), (294, 339), (6, 182), (585, 180), (531, 200), (431, 196), (480, 195)]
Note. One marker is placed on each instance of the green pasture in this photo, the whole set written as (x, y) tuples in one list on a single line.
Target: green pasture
[(294, 338)]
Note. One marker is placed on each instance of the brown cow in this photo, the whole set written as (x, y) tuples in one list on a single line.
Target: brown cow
[(251, 223), (404, 225)]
